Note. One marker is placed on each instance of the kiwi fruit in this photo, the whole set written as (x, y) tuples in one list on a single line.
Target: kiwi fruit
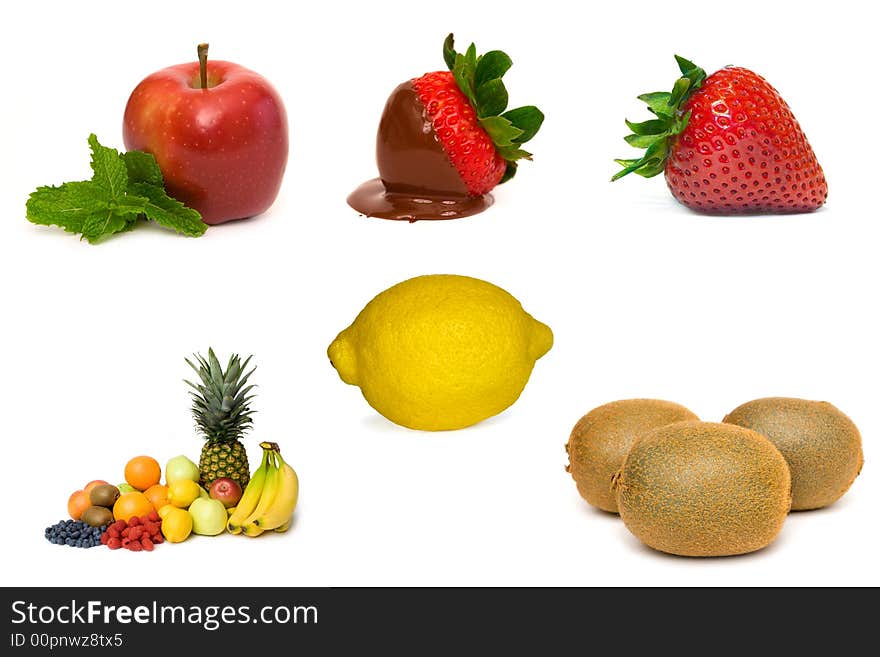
[(600, 440), (104, 495), (97, 516), (821, 444), (704, 489)]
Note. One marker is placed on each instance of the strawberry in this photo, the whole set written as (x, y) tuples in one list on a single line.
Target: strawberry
[(466, 106), (727, 144)]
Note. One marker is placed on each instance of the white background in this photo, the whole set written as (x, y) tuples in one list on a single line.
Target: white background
[(645, 298)]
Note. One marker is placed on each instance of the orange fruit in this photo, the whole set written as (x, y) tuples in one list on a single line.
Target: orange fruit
[(89, 486), (158, 495), (131, 504), (143, 472), (77, 503)]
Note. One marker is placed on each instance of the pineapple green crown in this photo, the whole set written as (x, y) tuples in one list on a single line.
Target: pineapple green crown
[(221, 400), (479, 78), (654, 134)]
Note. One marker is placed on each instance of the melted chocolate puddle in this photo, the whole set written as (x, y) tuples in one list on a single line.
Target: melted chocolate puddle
[(416, 180)]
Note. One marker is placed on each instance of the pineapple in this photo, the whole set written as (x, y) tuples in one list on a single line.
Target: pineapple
[(222, 415)]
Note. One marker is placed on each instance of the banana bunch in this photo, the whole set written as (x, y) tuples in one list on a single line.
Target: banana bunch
[(269, 499)]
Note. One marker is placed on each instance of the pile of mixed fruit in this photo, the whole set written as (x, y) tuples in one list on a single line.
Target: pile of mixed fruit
[(219, 494)]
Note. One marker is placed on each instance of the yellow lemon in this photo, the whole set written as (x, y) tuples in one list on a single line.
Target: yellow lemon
[(177, 525), (183, 492), (440, 352), (165, 510)]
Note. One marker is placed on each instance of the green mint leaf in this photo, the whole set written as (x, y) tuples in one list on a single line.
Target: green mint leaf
[(528, 119), (142, 168), (502, 131), (114, 219), (449, 53), (491, 66), (169, 212), (68, 206), (110, 173), (123, 188), (491, 98)]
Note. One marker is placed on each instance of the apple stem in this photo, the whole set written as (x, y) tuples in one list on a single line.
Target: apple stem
[(203, 64)]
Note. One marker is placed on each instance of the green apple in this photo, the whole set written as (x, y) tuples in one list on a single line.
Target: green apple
[(126, 488), (179, 468), (209, 516)]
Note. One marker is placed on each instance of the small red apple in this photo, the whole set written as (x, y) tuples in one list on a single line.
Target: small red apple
[(225, 490), (218, 132)]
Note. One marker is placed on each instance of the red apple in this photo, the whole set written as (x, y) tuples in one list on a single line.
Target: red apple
[(225, 490), (218, 132)]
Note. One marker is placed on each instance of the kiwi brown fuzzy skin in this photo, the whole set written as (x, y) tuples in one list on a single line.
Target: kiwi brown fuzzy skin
[(823, 446), (704, 489), (600, 440)]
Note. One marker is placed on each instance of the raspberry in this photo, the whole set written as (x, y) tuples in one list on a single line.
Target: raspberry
[(114, 544), (147, 544)]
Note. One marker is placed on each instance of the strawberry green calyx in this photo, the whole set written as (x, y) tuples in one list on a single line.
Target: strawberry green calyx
[(479, 78), (655, 135)]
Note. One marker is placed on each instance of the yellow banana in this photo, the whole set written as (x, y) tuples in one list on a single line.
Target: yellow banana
[(270, 489), (279, 512), (249, 499), (285, 526)]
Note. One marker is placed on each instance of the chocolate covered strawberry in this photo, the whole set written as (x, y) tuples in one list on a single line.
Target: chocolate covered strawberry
[(446, 139), (728, 144)]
